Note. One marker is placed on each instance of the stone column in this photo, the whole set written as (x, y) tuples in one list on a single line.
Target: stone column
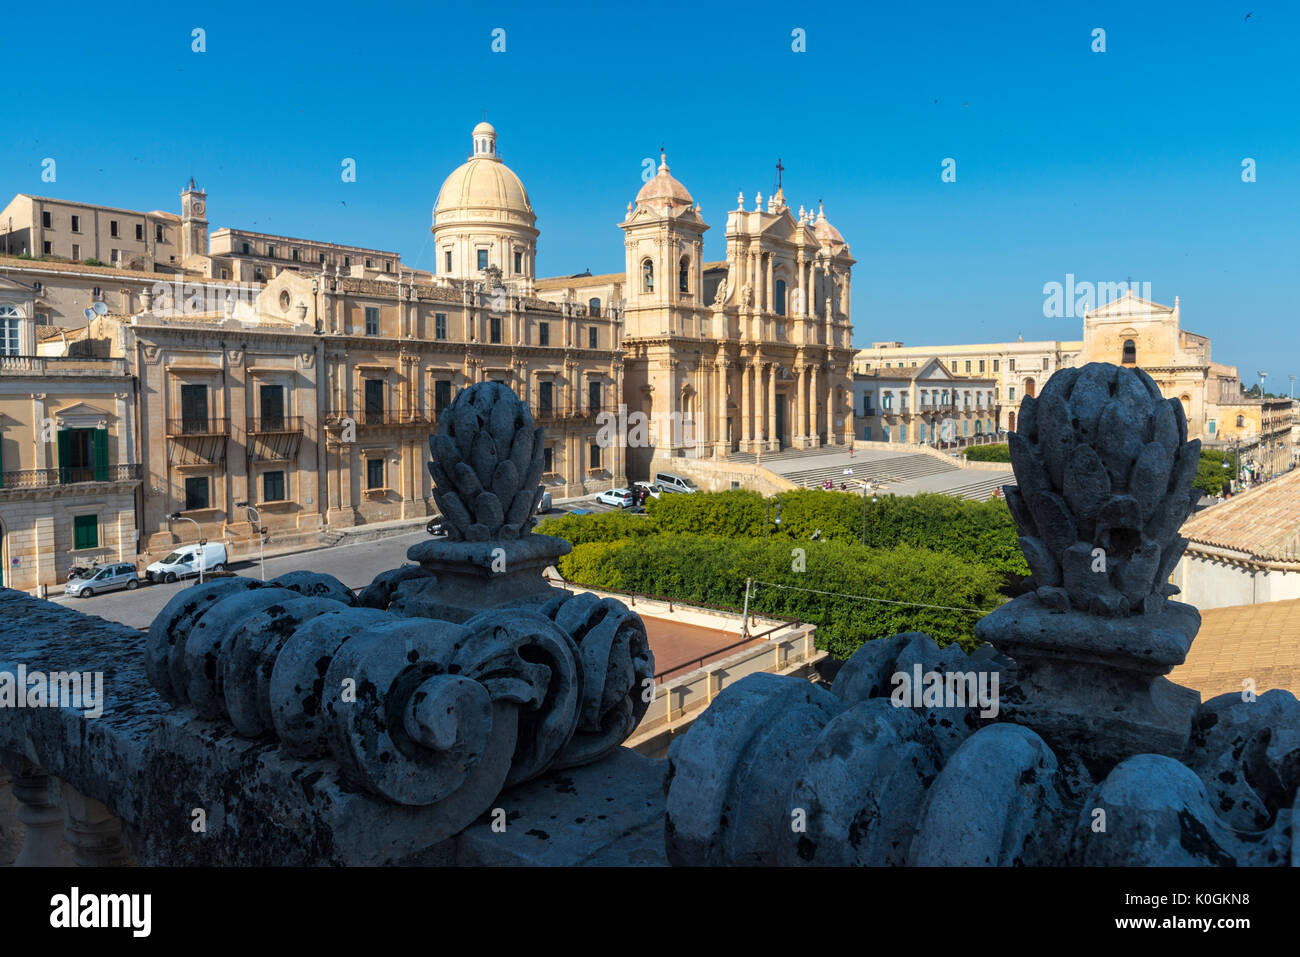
[(815, 433), (803, 285), (745, 429), (800, 424), (93, 832), (774, 440), (721, 445)]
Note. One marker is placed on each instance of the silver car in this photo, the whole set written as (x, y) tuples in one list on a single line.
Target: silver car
[(104, 578)]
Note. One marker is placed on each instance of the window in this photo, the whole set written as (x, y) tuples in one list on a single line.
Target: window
[(1130, 353), (544, 333), (273, 487), (347, 262), (96, 293), (85, 531), (139, 234), (388, 265), (113, 256), (158, 232), (684, 275), (1045, 360), (41, 319), (866, 404), (294, 255), (1011, 393), (995, 365), (194, 408), (10, 327), (968, 365), (981, 365), (446, 261), (45, 247), (548, 460), (884, 433), (440, 325), (76, 251), (1241, 421), (37, 288), (76, 224), (965, 427), (546, 400), (779, 293), (593, 396), (374, 398), (593, 453), (368, 262), (1011, 365), (1212, 426), (519, 263), (922, 427), (441, 395), (647, 276), (196, 493), (593, 307), (494, 328), (322, 259), (271, 401), (46, 222), (372, 320), (112, 228), (482, 259), (374, 473), (593, 338), (270, 250)]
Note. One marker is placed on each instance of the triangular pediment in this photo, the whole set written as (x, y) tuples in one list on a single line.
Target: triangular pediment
[(1131, 304)]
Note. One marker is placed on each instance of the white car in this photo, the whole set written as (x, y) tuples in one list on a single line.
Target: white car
[(186, 560), (650, 488), (621, 497)]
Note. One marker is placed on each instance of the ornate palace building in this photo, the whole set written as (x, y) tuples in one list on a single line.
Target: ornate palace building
[(751, 354)]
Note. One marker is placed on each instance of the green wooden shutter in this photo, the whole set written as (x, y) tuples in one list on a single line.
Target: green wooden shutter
[(100, 455), (85, 531), (65, 455)]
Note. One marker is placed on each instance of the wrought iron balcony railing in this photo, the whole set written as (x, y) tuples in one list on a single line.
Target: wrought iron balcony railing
[(197, 426)]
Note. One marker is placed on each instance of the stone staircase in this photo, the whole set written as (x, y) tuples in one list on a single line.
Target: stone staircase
[(884, 471)]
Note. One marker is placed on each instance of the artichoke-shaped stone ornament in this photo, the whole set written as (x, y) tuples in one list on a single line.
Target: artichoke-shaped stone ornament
[(486, 463), (1105, 476)]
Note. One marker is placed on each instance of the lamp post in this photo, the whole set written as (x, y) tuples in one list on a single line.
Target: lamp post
[(178, 517), (261, 532), (768, 523)]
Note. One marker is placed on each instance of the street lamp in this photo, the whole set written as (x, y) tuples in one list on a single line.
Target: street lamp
[(768, 523), (178, 517), (261, 532)]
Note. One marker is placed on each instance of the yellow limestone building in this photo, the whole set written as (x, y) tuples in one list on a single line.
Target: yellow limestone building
[(748, 355)]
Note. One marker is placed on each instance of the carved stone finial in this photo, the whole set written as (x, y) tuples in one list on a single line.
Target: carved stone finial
[(486, 463)]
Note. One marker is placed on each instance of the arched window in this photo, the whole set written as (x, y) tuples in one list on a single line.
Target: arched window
[(1130, 353), (647, 276), (1241, 421), (780, 297), (593, 307), (1011, 421), (684, 274), (10, 331)]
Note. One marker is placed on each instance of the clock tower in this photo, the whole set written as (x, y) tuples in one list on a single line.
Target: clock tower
[(194, 222)]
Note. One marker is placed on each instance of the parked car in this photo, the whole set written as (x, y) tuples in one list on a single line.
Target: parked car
[(437, 526), (184, 562), (582, 511), (668, 482), (621, 497), (103, 578), (649, 488)]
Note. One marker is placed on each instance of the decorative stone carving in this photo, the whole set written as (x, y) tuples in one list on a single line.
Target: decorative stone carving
[(778, 771)]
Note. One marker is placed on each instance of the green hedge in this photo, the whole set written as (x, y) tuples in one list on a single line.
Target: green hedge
[(988, 453), (710, 570), (597, 527)]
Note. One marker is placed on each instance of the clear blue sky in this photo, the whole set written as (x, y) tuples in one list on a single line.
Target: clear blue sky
[(1105, 165)]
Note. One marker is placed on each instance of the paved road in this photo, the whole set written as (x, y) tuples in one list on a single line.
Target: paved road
[(354, 565)]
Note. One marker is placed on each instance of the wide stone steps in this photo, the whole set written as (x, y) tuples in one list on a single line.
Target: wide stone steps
[(897, 469)]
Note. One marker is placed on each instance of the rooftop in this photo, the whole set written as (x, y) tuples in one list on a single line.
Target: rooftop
[(1262, 524), (1256, 642)]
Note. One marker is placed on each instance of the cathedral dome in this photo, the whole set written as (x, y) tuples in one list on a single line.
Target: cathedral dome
[(663, 189), (483, 187), (824, 231)]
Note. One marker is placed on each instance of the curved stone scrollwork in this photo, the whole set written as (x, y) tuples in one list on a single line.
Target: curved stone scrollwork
[(486, 462), (1086, 728)]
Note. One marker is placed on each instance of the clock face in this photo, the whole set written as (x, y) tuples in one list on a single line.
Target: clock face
[(197, 206)]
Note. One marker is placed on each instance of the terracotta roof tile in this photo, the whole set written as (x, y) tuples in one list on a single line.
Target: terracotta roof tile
[(1257, 642), (1264, 522)]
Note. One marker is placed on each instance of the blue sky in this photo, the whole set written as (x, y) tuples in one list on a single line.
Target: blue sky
[(1107, 165)]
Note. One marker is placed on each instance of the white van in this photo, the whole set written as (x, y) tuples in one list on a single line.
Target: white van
[(185, 562), (668, 482)]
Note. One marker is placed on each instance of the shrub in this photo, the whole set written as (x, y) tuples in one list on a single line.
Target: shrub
[(734, 514), (599, 527), (92, 261), (1211, 477), (697, 568), (988, 453)]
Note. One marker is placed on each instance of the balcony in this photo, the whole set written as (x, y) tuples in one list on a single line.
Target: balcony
[(62, 366), (51, 478), (339, 417), (275, 424), (543, 414), (197, 426)]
